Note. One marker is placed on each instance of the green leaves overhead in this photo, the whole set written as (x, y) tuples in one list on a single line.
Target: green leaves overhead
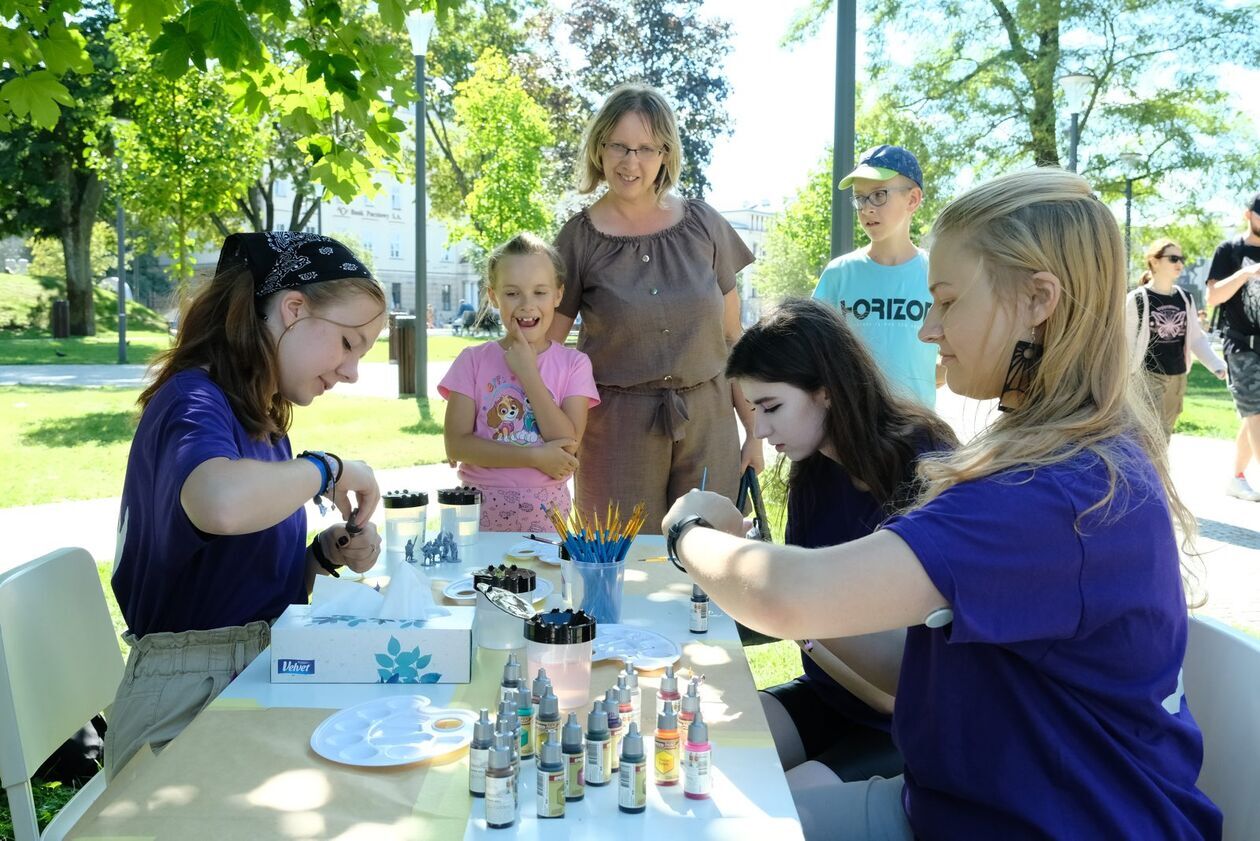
[(334, 69)]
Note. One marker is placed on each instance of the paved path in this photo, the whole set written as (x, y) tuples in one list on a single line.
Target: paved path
[(1228, 541)]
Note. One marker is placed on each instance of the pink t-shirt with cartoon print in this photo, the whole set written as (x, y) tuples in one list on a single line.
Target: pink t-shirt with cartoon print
[(481, 374)]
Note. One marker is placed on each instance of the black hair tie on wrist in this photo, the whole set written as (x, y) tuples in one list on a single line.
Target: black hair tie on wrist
[(340, 467), (322, 559)]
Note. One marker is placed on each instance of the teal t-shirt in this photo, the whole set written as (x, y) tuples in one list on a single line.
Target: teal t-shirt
[(886, 305)]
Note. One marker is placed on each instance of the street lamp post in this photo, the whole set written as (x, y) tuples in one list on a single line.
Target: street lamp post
[(420, 25), (1130, 162), (121, 224), (842, 143), (1076, 89)]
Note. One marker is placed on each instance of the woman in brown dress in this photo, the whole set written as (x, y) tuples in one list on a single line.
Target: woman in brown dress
[(653, 277)]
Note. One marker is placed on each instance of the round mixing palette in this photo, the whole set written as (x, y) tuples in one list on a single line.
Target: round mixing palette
[(392, 731)]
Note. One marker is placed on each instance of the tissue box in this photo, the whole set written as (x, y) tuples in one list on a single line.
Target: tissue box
[(351, 649)]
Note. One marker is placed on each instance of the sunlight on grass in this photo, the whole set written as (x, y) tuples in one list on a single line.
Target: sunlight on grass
[(73, 442)]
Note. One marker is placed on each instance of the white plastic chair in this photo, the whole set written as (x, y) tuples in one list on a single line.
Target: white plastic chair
[(59, 666), (1222, 685)]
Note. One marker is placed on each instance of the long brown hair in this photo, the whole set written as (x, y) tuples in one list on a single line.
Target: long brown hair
[(222, 330), (876, 435)]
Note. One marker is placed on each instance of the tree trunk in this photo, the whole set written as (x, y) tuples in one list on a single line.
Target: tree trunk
[(81, 199)]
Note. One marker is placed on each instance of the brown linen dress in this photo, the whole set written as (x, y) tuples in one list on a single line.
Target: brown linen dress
[(651, 310)]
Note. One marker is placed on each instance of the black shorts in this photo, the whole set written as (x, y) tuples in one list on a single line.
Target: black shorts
[(853, 750)]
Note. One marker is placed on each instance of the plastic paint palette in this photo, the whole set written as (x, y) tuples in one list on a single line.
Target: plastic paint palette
[(462, 590), (530, 550), (392, 731), (645, 650)]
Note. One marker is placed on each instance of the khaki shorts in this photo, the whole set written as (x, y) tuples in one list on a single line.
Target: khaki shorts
[(170, 677), (1168, 393)]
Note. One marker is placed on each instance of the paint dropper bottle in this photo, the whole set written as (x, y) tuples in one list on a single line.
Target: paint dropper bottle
[(550, 794), (548, 721), (699, 623), (667, 747), (511, 679), (500, 788), (690, 705), (598, 760), (667, 696), (636, 696), (479, 754), (525, 712), (574, 760), (616, 728), (538, 689), (632, 777), (698, 761)]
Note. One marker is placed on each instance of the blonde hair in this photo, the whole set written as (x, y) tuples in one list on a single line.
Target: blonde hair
[(631, 99), (1081, 396), (1153, 252), (521, 245)]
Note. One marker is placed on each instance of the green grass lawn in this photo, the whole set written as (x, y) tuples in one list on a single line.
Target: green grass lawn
[(72, 443), (1209, 410), (442, 348)]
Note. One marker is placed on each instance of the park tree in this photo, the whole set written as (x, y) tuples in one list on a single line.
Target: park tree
[(50, 191), (669, 45), (351, 83), (989, 72), (183, 155), (49, 260), (499, 133)]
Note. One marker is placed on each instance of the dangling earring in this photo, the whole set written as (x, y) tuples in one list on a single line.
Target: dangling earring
[(1020, 373)]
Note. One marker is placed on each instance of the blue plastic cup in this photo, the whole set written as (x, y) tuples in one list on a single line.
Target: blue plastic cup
[(597, 589)]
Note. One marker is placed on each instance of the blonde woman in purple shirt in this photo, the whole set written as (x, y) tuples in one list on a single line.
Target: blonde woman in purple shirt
[(1038, 693)]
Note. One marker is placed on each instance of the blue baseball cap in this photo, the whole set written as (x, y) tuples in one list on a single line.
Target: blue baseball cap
[(880, 163)]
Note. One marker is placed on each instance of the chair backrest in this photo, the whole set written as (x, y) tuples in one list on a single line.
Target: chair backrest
[(1222, 684), (59, 658)]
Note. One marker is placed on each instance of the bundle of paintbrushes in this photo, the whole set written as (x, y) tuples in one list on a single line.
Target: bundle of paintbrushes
[(591, 542), (598, 550)]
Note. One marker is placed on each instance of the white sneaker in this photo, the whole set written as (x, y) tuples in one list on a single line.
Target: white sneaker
[(1239, 489)]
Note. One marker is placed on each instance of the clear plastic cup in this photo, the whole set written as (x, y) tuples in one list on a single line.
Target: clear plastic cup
[(597, 588), (560, 641), (460, 514), (493, 627), (404, 527)]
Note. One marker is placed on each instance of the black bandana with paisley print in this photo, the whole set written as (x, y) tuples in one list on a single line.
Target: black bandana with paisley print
[(289, 259)]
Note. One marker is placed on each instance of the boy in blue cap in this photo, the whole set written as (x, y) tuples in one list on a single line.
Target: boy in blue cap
[(883, 287)]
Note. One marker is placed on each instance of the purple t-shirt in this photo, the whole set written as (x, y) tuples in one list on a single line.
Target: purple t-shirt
[(168, 575), (1050, 708)]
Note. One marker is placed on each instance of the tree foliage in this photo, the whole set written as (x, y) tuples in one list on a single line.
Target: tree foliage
[(185, 154), (500, 134), (339, 78), (988, 71), (50, 191), (669, 45), (49, 260)]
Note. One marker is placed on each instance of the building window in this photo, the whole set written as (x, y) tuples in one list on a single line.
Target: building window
[(446, 297), (310, 229), (282, 187), (280, 226), (395, 199), (395, 248)]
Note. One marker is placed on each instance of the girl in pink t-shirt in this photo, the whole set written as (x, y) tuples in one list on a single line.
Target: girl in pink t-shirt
[(516, 408)]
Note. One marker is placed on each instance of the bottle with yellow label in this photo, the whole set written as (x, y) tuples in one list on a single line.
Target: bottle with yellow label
[(550, 780), (668, 748), (632, 776)]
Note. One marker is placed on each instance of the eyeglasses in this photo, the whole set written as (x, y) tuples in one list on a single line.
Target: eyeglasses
[(643, 153), (879, 198), (1173, 258)]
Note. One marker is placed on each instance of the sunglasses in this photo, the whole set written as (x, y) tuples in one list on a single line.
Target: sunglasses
[(1173, 258)]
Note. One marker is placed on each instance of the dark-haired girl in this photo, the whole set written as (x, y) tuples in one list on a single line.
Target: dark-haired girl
[(820, 400)]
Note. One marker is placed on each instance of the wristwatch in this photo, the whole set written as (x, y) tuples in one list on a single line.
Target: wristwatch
[(676, 533)]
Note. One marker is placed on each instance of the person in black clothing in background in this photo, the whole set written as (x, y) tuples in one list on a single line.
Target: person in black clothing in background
[(1234, 288)]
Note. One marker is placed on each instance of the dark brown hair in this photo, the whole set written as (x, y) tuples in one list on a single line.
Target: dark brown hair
[(876, 435), (222, 330)]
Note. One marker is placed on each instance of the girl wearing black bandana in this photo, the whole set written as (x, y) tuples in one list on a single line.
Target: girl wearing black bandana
[(212, 530)]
